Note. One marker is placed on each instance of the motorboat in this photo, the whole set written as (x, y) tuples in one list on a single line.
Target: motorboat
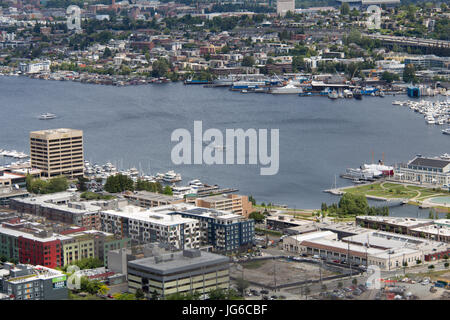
[(47, 116)]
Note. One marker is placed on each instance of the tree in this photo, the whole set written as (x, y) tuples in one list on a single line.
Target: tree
[(82, 183), (252, 200), (409, 73), (258, 217), (355, 281), (241, 285), (324, 287), (353, 204), (307, 291), (119, 183), (389, 77), (107, 53), (168, 191), (160, 68), (345, 9), (340, 285), (248, 61), (139, 294), (324, 206)]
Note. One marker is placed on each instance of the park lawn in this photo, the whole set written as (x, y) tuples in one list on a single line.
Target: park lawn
[(398, 191), (433, 275), (73, 296)]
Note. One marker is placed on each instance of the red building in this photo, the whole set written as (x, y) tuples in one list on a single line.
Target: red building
[(45, 252)]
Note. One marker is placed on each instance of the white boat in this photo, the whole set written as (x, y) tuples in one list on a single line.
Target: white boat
[(333, 95), (289, 88), (47, 116), (171, 176)]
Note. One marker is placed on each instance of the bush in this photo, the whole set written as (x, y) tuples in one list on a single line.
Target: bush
[(431, 267)]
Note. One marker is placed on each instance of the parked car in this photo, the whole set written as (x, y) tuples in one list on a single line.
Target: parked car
[(264, 291)]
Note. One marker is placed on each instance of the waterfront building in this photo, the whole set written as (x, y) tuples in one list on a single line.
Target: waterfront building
[(57, 152), (179, 272), (9, 179), (434, 171), (146, 225), (233, 203), (35, 67), (26, 282)]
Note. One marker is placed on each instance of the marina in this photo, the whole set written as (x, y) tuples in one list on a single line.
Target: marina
[(434, 112), (133, 125)]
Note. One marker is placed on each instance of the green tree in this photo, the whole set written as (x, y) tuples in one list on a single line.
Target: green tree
[(258, 217), (168, 190), (389, 77), (160, 68), (345, 8), (248, 61), (241, 285), (82, 183), (119, 183), (139, 294), (409, 73)]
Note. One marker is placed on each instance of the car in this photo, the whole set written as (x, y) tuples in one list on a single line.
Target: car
[(274, 297), (316, 256), (265, 298), (264, 291), (347, 289), (336, 261), (357, 292)]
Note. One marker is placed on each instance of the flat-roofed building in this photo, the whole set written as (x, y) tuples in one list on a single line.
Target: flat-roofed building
[(57, 152), (292, 243), (147, 225), (224, 231), (284, 221), (146, 199), (401, 225), (179, 272), (26, 282), (233, 203)]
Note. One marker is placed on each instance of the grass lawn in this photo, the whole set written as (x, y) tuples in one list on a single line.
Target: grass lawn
[(433, 275), (394, 190), (272, 232)]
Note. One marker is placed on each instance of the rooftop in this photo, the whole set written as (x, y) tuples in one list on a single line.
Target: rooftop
[(430, 162), (148, 215), (178, 261)]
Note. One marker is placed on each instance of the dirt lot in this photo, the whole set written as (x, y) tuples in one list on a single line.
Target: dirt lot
[(262, 271)]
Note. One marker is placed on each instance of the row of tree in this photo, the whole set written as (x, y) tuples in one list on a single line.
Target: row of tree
[(39, 186), (354, 204), (121, 183)]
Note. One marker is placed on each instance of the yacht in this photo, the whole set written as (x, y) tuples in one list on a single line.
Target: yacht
[(47, 116), (446, 131), (171, 176), (333, 95), (289, 88)]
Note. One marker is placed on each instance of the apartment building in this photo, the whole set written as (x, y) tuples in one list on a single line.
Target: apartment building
[(25, 282), (225, 231), (145, 226), (231, 202), (57, 152), (179, 272)]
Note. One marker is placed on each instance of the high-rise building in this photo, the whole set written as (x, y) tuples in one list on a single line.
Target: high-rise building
[(283, 6), (57, 152)]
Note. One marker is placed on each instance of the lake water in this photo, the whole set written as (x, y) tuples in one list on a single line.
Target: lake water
[(132, 126)]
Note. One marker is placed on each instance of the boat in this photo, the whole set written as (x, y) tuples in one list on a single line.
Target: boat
[(171, 176), (348, 94), (193, 81), (239, 85), (289, 88), (446, 131), (47, 116), (333, 95)]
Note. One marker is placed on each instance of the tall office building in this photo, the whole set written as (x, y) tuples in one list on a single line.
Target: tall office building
[(57, 152)]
